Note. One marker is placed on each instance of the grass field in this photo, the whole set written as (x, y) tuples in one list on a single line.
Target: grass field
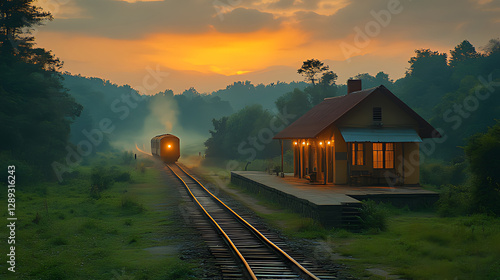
[(416, 245), (425, 246), (130, 232)]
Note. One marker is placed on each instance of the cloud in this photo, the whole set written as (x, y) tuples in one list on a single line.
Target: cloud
[(125, 20), (246, 20), (117, 39), (415, 20)]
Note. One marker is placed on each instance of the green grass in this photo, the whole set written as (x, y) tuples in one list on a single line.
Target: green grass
[(414, 245), (78, 237), (425, 246)]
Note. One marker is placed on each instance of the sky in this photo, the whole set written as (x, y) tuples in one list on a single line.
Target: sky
[(154, 45)]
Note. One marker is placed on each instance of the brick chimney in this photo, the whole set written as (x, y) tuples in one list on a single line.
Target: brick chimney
[(353, 85)]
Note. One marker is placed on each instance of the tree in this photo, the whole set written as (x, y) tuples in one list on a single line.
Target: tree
[(17, 21), (310, 68), (493, 46), (35, 109), (370, 81), (462, 52), (246, 135), (482, 152), (328, 79), (295, 102), (427, 64)]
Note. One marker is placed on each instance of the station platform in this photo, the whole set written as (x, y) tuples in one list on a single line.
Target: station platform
[(331, 205)]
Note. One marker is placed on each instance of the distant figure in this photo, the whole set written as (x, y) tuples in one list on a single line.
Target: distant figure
[(135, 156), (199, 154)]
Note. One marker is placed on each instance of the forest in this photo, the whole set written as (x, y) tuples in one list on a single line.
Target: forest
[(72, 140), (75, 117)]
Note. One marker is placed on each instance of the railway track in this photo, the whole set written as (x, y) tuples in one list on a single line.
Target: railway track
[(249, 253)]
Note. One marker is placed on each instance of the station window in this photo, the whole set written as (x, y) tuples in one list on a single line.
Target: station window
[(383, 155), (358, 154)]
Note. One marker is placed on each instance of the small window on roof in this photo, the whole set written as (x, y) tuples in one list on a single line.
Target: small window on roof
[(377, 114)]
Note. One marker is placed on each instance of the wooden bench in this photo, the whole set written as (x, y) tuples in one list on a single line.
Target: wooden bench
[(358, 175)]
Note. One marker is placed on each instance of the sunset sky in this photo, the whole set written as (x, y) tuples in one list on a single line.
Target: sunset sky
[(210, 44)]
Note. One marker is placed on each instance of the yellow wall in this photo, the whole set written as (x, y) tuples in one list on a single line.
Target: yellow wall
[(362, 114), (412, 163), (340, 174)]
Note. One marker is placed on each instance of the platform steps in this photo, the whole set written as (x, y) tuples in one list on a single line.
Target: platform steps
[(351, 216)]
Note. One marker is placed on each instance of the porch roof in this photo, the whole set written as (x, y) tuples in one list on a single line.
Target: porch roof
[(355, 134)]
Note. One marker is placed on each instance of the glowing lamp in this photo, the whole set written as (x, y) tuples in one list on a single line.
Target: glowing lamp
[(328, 142), (169, 146), (303, 143), (321, 143), (295, 143)]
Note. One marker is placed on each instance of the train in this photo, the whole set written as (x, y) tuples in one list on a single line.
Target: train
[(167, 147)]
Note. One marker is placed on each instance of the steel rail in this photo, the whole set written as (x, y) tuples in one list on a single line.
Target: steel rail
[(262, 237), (226, 237)]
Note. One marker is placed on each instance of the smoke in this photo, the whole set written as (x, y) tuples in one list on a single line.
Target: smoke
[(163, 118)]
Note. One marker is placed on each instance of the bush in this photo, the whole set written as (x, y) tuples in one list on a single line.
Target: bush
[(454, 200), (131, 205), (122, 177), (127, 157), (439, 173), (373, 216), (119, 176), (100, 179)]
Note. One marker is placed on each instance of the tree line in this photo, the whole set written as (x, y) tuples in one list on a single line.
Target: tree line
[(36, 111)]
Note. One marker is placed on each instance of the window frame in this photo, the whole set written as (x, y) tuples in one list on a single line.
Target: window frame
[(388, 155), (357, 154)]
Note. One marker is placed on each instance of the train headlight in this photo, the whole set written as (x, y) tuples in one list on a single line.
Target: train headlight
[(169, 146)]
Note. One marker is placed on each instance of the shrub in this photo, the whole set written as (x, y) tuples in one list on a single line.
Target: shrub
[(373, 216), (131, 205), (482, 152), (438, 173), (100, 179), (454, 200), (127, 157), (122, 177)]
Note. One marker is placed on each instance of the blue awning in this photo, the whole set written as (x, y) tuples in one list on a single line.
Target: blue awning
[(354, 134)]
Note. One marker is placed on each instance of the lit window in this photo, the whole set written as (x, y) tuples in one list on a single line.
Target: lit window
[(358, 154), (383, 155)]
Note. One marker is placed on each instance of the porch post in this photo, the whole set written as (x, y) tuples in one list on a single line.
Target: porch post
[(349, 159), (403, 162), (325, 163), (281, 144)]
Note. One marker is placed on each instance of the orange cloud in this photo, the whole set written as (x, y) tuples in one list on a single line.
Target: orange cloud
[(226, 54)]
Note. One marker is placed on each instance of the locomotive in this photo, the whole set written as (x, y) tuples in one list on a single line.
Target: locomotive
[(167, 147)]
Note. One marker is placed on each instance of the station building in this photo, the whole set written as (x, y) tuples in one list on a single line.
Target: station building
[(366, 137)]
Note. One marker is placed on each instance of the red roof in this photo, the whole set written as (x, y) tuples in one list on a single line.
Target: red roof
[(312, 123)]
